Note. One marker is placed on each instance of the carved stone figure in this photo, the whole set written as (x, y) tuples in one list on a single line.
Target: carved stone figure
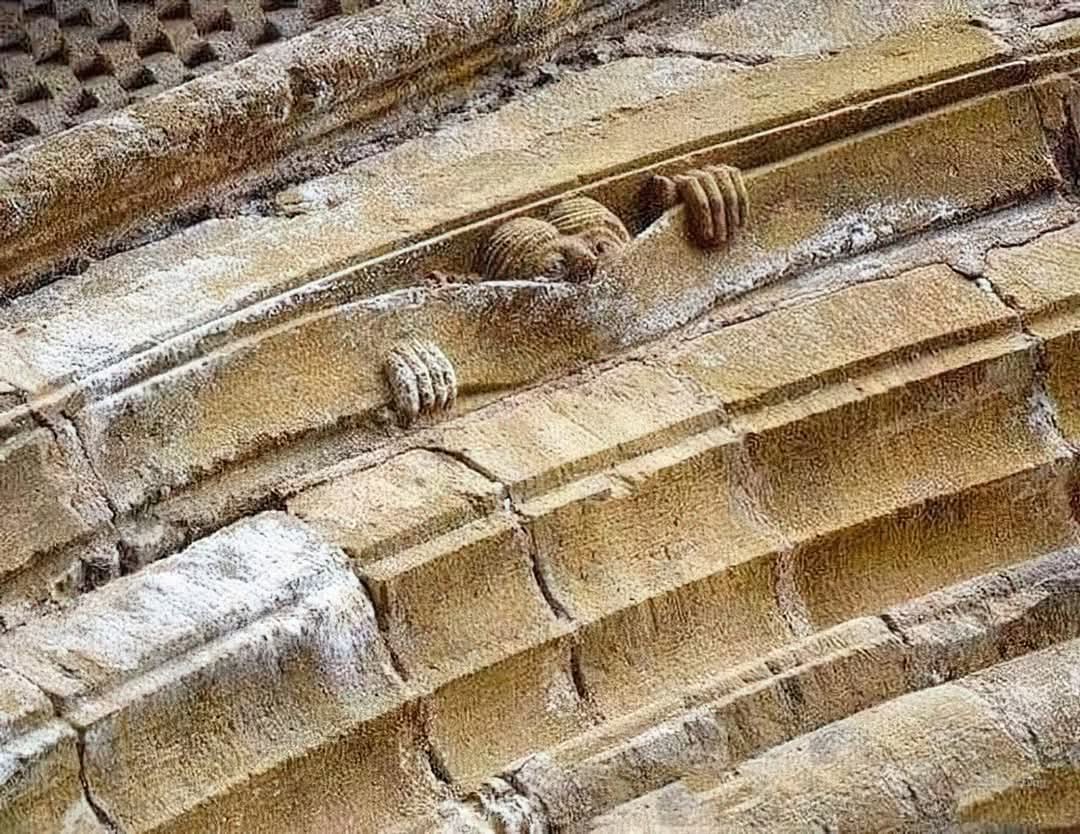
[(574, 245)]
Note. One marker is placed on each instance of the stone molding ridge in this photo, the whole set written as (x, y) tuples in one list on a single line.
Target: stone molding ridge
[(171, 150)]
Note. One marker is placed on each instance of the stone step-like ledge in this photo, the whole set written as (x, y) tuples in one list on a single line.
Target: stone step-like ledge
[(715, 726), (262, 629), (39, 762), (665, 604), (229, 127), (990, 748), (263, 249), (662, 601)]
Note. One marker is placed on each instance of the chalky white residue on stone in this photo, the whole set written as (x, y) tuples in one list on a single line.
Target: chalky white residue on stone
[(9, 765), (560, 697), (335, 627), (1042, 418), (849, 234), (220, 584), (311, 196), (85, 322), (22, 750)]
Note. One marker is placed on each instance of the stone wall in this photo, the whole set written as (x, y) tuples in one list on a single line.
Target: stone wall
[(797, 548)]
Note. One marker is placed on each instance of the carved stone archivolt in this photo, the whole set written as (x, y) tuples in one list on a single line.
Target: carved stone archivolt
[(577, 240)]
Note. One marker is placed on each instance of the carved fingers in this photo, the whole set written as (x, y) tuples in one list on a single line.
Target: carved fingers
[(422, 380), (717, 205), (662, 194)]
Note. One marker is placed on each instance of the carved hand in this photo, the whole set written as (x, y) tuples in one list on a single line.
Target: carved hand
[(422, 380), (716, 202)]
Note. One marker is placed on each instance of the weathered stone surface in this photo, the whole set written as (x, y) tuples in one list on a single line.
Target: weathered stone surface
[(889, 453), (770, 29), (419, 495), (40, 791), (187, 679), (399, 195), (794, 352), (704, 732), (525, 703), (100, 55), (45, 501), (1039, 278), (771, 570), (653, 558), (666, 564), (1039, 281), (171, 150), (444, 600), (318, 370), (927, 759), (573, 431)]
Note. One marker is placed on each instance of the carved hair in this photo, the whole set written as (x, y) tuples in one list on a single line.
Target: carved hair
[(517, 248), (576, 215), (522, 247)]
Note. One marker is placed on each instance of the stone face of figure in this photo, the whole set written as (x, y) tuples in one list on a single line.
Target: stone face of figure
[(576, 238)]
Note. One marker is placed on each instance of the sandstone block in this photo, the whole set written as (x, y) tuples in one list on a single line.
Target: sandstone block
[(908, 410), (956, 753), (380, 511), (311, 370), (791, 352), (40, 791), (528, 702), (46, 502), (568, 432), (461, 601), (900, 765), (191, 674), (1039, 279), (663, 566)]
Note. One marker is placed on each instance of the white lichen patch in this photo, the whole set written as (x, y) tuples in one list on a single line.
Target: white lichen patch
[(560, 696)]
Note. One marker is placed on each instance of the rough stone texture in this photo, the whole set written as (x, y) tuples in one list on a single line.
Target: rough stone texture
[(50, 495), (172, 150), (945, 755), (417, 496), (69, 62), (39, 765), (197, 670), (777, 536), (758, 32), (400, 195), (317, 370)]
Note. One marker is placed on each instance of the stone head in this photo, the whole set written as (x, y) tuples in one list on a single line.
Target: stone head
[(578, 235)]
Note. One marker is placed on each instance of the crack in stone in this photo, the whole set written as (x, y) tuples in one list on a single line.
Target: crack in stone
[(1043, 408), (100, 813), (523, 525), (539, 572), (435, 762), (378, 606), (533, 805), (577, 677)]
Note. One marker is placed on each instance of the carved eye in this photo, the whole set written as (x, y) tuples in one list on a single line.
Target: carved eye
[(602, 247), (556, 267)]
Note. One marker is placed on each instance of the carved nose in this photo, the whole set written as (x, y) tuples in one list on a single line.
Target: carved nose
[(581, 260)]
